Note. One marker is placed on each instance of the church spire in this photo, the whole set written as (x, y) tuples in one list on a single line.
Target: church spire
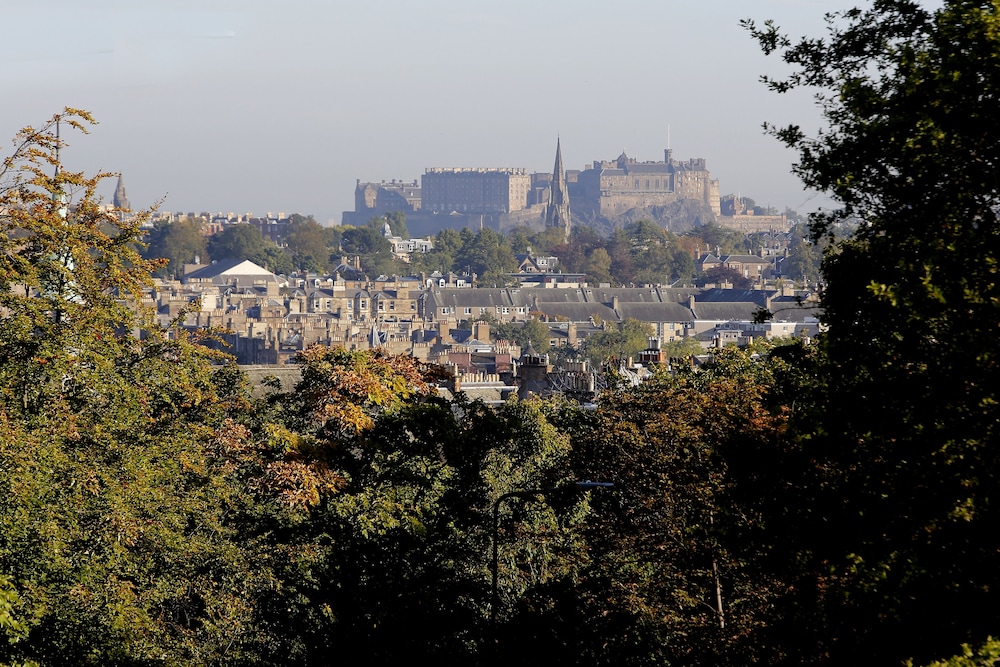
[(120, 200), (557, 210)]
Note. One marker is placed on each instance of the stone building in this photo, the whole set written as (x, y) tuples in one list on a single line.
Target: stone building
[(611, 188), (736, 215), (373, 200), (475, 190)]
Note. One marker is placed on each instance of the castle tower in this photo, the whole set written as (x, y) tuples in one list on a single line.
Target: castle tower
[(557, 210), (120, 200)]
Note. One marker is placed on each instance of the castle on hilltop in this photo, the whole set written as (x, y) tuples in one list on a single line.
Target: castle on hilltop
[(502, 198), (610, 188)]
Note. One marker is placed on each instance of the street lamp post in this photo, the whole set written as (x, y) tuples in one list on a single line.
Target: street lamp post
[(522, 493)]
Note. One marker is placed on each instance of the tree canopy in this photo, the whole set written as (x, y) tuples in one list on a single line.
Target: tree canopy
[(901, 467)]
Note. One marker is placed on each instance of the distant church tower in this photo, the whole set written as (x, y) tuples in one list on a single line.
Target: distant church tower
[(557, 210), (120, 200)]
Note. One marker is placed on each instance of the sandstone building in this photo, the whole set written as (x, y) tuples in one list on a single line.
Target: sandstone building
[(474, 190), (608, 189)]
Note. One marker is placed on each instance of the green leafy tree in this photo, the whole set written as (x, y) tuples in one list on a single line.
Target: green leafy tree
[(532, 331), (804, 255), (276, 260), (179, 242), (574, 253), (307, 241), (598, 266), (396, 221), (374, 250), (894, 511), (240, 241), (717, 239), (488, 255), (618, 342), (683, 348)]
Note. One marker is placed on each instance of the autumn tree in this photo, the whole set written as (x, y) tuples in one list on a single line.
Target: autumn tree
[(893, 511), (670, 579), (117, 544), (395, 485)]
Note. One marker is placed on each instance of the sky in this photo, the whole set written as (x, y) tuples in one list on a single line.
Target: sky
[(282, 105)]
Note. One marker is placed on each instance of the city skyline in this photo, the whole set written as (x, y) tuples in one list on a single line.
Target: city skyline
[(251, 107)]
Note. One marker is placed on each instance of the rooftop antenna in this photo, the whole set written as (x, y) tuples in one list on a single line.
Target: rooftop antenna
[(668, 136)]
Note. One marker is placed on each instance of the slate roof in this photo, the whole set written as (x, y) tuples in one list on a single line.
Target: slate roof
[(719, 295), (649, 168), (655, 312), (469, 298), (790, 309), (725, 311), (578, 312)]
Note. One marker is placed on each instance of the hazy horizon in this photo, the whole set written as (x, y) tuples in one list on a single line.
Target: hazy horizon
[(249, 106)]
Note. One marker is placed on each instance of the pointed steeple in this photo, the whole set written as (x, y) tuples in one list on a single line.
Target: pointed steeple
[(557, 210), (120, 200)]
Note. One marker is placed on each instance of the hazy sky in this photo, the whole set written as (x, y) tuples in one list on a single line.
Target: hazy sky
[(281, 105)]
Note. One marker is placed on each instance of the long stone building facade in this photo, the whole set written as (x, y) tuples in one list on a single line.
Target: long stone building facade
[(474, 190)]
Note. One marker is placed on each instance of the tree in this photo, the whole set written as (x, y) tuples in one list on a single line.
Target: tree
[(307, 241), (598, 266), (803, 258), (116, 496), (390, 556), (397, 223), (533, 331), (725, 274), (374, 250), (619, 342), (240, 241), (717, 239), (488, 255), (670, 579), (895, 514), (179, 242)]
